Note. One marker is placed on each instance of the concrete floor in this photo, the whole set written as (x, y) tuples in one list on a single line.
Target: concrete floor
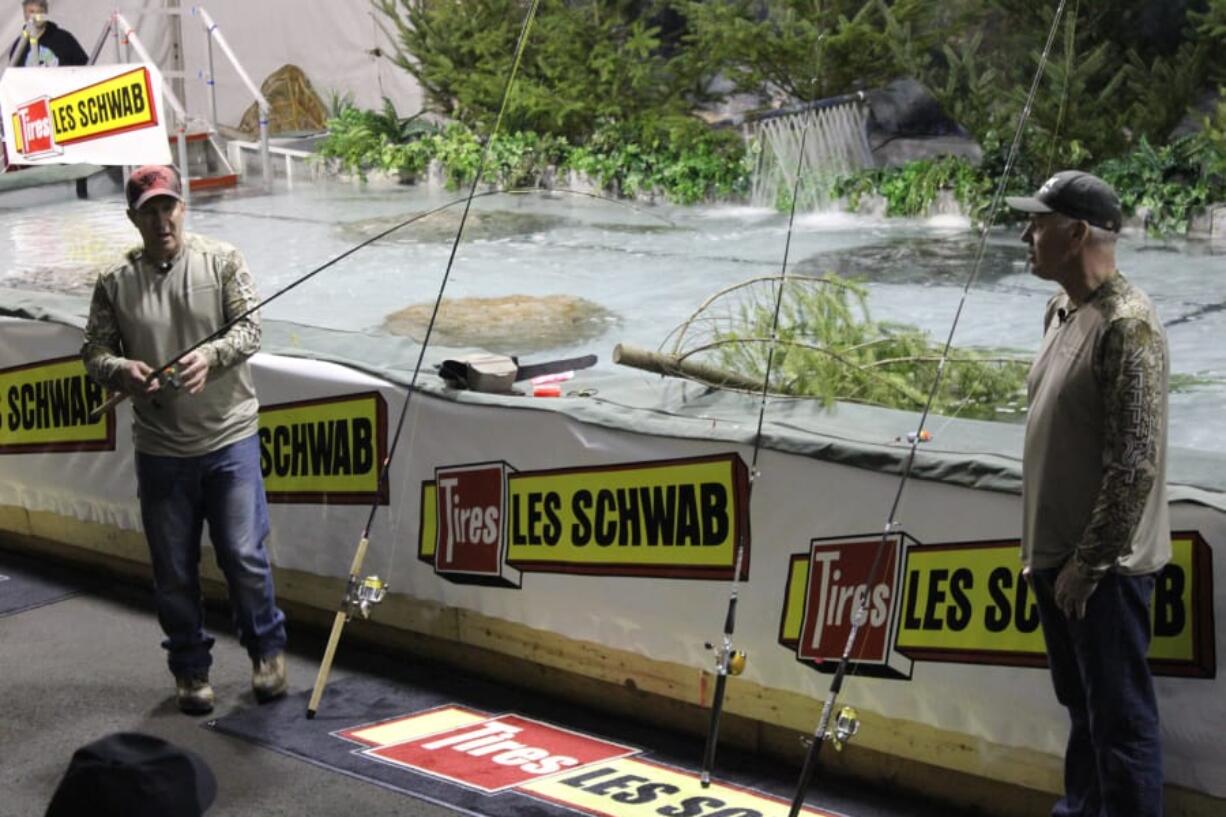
[(91, 664), (76, 670)]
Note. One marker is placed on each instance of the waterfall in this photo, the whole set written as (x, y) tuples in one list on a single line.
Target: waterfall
[(836, 144)]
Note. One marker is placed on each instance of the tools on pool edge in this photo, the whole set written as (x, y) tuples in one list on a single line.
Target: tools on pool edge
[(497, 374)]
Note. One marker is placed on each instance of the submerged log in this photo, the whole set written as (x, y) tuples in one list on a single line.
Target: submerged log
[(674, 366)]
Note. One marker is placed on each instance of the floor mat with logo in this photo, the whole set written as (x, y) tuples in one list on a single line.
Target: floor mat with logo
[(480, 748)]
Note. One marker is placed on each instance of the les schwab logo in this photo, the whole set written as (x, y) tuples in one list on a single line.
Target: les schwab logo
[(46, 408), (42, 127), (520, 756), (488, 523), (968, 603), (327, 451)]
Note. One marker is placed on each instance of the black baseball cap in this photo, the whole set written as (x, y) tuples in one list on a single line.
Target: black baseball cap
[(129, 774), (1075, 194)]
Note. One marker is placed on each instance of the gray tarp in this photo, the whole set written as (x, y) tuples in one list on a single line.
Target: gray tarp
[(973, 453)]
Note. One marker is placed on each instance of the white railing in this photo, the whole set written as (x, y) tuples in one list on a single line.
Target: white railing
[(126, 34), (213, 34), (236, 151)]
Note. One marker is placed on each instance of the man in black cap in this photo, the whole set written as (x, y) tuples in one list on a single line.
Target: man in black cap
[(128, 774), (42, 42), (195, 433), (1096, 529)]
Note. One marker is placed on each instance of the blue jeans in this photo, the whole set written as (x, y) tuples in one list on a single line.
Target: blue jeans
[(224, 488), (1113, 762)]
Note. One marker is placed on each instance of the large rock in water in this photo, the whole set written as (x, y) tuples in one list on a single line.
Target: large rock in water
[(295, 107), (509, 325), (907, 123)]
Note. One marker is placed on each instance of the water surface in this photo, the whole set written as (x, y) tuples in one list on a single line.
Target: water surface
[(650, 265)]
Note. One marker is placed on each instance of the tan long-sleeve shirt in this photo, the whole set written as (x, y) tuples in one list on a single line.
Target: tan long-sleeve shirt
[(139, 312), (1094, 468)]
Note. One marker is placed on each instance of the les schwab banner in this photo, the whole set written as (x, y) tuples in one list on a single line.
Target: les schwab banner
[(46, 408), (487, 523), (325, 452), (968, 603), (105, 115)]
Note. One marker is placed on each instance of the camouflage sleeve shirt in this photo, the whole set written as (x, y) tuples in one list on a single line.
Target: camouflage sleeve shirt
[(1131, 370), (242, 340), (141, 312), (131, 288), (1094, 455)]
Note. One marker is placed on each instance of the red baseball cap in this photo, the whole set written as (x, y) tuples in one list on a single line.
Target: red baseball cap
[(153, 180)]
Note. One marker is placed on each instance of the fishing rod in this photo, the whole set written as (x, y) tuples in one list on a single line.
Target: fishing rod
[(167, 373), (730, 661), (846, 723), (362, 594)]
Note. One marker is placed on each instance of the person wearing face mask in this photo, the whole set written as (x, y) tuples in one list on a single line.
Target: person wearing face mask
[(195, 433), (1096, 528), (42, 42)]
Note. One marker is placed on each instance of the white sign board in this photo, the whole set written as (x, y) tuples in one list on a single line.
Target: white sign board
[(103, 115)]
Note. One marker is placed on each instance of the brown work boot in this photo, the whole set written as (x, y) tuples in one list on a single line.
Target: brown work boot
[(194, 694), (268, 679)]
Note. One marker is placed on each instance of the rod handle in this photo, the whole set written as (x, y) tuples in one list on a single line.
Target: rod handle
[(334, 638), (115, 399), (717, 710), (325, 666)]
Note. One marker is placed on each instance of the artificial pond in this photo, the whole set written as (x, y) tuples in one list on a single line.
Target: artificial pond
[(634, 272)]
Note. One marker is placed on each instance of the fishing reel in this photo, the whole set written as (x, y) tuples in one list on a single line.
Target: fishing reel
[(170, 377), (361, 595), (727, 660), (846, 725)]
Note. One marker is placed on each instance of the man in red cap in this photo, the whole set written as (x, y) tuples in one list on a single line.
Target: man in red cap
[(1095, 528), (195, 431)]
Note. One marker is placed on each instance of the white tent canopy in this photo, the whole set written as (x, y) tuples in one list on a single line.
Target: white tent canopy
[(341, 46)]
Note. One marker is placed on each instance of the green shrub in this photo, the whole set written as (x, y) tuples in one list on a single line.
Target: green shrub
[(363, 140), (1172, 182), (807, 49), (911, 189), (585, 63), (681, 157)]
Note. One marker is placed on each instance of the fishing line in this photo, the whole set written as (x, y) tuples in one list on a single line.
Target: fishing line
[(991, 219), (860, 616), (728, 660), (361, 593), (1070, 47), (1051, 158), (455, 245), (997, 200)]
